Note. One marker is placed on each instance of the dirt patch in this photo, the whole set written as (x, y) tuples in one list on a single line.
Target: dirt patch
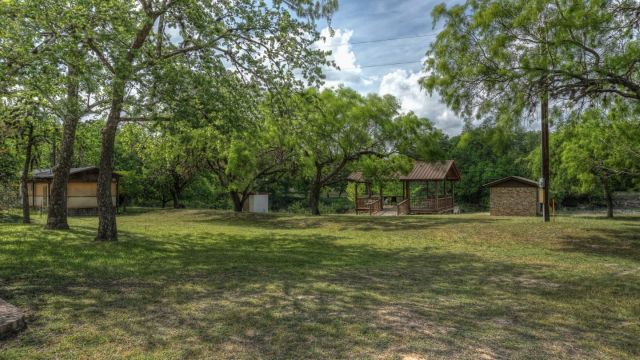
[(402, 320)]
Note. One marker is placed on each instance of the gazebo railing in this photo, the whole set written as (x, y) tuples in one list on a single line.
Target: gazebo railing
[(431, 203), (374, 206), (363, 202)]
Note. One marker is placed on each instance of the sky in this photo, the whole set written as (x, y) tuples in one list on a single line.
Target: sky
[(355, 46)]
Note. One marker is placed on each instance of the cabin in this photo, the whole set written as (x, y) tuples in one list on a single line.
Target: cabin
[(81, 190), (514, 196), (427, 189)]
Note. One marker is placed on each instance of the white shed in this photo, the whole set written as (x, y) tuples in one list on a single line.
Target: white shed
[(257, 203)]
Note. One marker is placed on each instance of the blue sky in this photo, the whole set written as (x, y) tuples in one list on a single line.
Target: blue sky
[(366, 20)]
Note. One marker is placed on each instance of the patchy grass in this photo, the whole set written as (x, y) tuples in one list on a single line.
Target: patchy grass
[(204, 284)]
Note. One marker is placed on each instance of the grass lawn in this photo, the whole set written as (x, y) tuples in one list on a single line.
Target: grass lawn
[(204, 284)]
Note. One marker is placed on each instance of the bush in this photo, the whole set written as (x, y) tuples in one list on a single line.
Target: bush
[(9, 196)]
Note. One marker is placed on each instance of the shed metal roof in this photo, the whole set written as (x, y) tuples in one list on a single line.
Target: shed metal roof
[(519, 179)]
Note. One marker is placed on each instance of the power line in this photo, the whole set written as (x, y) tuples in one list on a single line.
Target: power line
[(384, 40), (379, 65), (392, 39)]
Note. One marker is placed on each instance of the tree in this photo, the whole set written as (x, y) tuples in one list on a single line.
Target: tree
[(495, 52), (596, 153), (488, 152), (25, 121), (504, 57), (179, 160), (43, 53), (234, 127), (261, 41), (334, 129), (245, 162)]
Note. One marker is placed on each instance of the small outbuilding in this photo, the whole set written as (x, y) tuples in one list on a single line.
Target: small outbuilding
[(81, 190), (514, 196), (257, 203)]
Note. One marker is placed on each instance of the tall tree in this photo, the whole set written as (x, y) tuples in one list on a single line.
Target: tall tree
[(246, 162), (25, 121), (43, 52), (264, 42), (507, 56), (334, 129), (235, 126), (594, 151)]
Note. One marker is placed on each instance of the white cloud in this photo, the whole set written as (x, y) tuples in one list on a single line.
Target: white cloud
[(400, 83), (350, 73), (405, 86)]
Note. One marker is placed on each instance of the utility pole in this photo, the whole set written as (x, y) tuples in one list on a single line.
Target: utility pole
[(544, 120)]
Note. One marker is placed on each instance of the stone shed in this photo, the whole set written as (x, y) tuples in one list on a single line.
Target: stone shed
[(514, 196)]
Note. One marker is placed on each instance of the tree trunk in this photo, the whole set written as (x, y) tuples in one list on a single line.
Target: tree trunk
[(176, 190), (57, 213), (238, 201), (175, 196), (314, 198), (544, 117), (26, 215), (164, 201), (608, 197), (107, 229)]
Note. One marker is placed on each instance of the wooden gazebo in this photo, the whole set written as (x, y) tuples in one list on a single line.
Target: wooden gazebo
[(426, 189)]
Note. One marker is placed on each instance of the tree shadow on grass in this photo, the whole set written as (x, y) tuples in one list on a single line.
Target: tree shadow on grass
[(301, 296), (343, 222), (7, 217), (621, 242)]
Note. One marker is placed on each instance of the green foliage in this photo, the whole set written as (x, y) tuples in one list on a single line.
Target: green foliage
[(336, 131), (87, 144), (486, 153), (161, 163), (499, 57), (598, 151)]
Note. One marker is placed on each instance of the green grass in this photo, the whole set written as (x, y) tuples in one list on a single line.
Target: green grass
[(205, 284)]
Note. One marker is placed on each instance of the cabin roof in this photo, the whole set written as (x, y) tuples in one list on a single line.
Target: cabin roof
[(48, 173), (422, 171), (519, 179)]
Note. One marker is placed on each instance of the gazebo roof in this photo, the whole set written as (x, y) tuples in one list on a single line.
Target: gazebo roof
[(422, 171), (356, 177), (441, 170)]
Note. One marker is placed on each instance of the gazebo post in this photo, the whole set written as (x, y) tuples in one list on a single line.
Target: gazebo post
[(453, 198), (427, 185), (356, 183), (409, 195), (437, 193)]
